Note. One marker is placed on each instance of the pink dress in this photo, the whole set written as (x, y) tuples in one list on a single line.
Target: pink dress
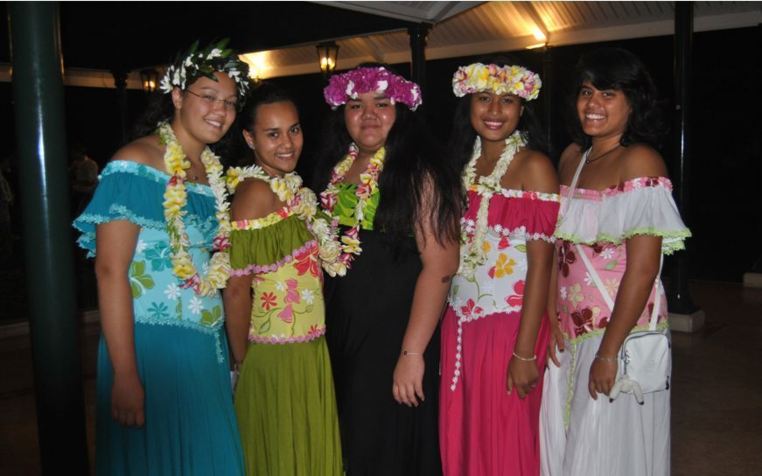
[(582, 436), (483, 430)]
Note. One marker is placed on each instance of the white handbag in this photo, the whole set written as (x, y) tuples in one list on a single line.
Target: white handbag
[(645, 358)]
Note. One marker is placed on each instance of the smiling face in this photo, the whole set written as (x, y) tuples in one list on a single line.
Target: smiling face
[(494, 117), (276, 137), (204, 111), (369, 118), (602, 113)]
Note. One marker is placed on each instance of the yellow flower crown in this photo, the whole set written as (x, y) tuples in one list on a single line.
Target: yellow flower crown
[(478, 77)]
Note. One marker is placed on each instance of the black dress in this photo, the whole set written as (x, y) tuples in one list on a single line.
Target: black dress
[(367, 312)]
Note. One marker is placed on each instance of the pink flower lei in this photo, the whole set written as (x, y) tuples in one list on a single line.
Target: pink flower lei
[(377, 79)]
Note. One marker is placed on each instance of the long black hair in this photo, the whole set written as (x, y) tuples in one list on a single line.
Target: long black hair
[(413, 162), (463, 135), (617, 68)]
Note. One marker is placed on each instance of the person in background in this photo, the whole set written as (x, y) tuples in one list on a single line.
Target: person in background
[(617, 219), (397, 203), (494, 333), (164, 402), (274, 302)]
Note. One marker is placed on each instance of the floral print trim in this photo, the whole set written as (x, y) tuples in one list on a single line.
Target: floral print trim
[(300, 255), (313, 333), (264, 222), (626, 186)]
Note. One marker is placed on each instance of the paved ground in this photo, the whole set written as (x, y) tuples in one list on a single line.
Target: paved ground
[(716, 391)]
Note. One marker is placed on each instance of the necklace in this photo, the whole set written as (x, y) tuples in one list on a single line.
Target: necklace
[(589, 161), (350, 241), (175, 201), (472, 251), (302, 201)]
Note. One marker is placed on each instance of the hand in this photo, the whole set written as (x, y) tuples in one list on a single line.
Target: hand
[(556, 342), (602, 376), (127, 400), (522, 376), (408, 380)]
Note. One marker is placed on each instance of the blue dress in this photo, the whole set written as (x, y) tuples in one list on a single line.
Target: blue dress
[(180, 345)]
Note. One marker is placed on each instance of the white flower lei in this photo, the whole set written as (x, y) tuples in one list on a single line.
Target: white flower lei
[(472, 253), (303, 202), (175, 200)]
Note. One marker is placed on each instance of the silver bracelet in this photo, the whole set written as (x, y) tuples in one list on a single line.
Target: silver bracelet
[(405, 352), (605, 359), (525, 359)]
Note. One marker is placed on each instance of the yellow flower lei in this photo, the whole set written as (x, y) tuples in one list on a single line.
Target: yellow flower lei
[(303, 202), (175, 200), (350, 242)]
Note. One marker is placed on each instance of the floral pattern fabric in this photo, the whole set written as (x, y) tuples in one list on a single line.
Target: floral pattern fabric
[(497, 286), (641, 206), (133, 192), (287, 299)]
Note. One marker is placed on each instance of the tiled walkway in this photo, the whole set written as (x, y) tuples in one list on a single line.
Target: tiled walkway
[(716, 390)]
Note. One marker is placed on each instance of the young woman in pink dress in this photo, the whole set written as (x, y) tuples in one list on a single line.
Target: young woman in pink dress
[(494, 333), (617, 219)]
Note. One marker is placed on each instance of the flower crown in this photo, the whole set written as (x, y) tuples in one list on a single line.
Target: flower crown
[(197, 63), (377, 79), (478, 77)]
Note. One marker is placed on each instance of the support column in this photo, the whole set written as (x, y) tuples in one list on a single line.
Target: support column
[(40, 132), (120, 82), (547, 98), (418, 35), (685, 316)]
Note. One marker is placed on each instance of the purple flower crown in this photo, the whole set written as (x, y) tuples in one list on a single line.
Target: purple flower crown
[(377, 79)]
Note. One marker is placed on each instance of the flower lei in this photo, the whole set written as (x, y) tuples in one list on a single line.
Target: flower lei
[(213, 58), (175, 200), (345, 86), (350, 241), (479, 77), (303, 202), (472, 252)]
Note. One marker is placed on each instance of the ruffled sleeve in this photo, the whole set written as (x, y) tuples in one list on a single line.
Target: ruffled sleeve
[(135, 192), (534, 213), (641, 206), (264, 245)]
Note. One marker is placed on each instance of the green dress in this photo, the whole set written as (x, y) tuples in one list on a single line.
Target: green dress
[(285, 397)]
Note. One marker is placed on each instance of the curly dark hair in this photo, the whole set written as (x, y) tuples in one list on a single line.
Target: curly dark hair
[(619, 69), (463, 135), (413, 158)]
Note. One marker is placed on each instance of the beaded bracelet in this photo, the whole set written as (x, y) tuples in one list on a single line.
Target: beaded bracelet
[(405, 352), (525, 359)]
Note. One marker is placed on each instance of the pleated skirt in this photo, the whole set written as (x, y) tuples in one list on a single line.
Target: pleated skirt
[(286, 406), (585, 437), (190, 425), (484, 431)]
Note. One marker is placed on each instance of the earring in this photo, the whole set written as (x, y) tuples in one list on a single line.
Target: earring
[(251, 146)]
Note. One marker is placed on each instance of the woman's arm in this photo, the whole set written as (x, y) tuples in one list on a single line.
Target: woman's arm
[(643, 260), (115, 244), (537, 175), (556, 337), (440, 263)]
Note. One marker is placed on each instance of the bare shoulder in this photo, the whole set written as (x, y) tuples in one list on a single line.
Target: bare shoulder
[(537, 172), (146, 150), (570, 158), (641, 160), (253, 199)]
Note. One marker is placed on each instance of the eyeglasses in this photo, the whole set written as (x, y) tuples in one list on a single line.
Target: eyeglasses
[(210, 100)]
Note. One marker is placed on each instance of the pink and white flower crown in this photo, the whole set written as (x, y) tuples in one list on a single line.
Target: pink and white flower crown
[(509, 79), (376, 79)]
